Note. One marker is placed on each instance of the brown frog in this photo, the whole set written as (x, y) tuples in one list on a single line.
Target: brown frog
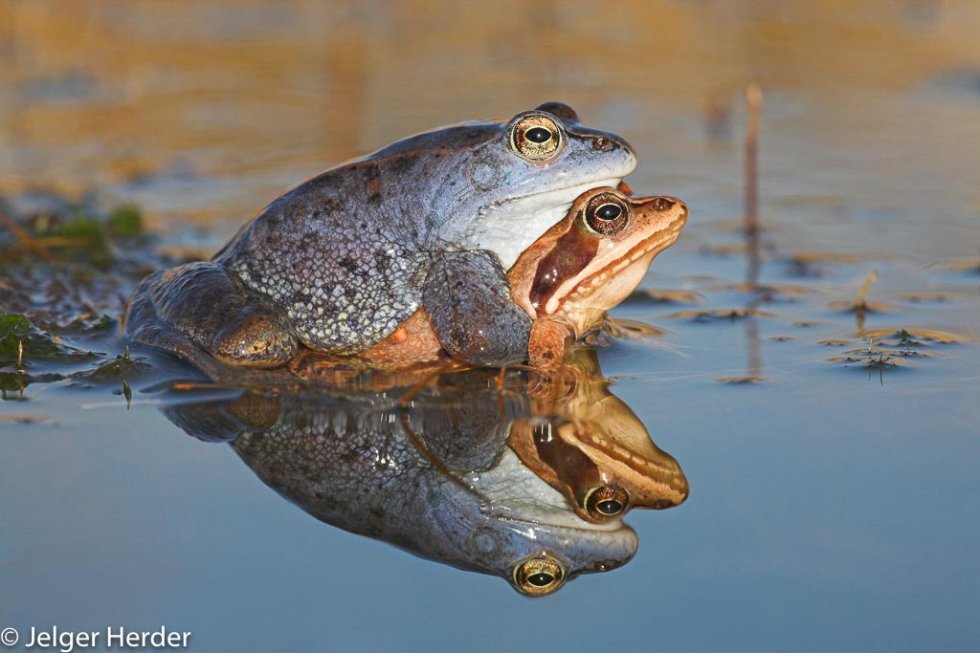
[(588, 263)]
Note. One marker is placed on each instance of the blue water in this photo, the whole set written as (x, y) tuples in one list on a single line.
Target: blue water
[(833, 506)]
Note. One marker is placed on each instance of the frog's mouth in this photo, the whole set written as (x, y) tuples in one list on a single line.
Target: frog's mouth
[(509, 227)]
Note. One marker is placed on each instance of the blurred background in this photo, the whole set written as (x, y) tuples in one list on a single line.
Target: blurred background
[(206, 110)]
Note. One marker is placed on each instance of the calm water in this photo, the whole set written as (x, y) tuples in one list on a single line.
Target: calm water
[(833, 503)]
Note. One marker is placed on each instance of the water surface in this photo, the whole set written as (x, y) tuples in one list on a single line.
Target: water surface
[(832, 463)]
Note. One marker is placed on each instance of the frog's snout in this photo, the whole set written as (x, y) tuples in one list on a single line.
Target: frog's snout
[(682, 207)]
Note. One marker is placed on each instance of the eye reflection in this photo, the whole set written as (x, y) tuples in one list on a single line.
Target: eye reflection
[(539, 575), (606, 502)]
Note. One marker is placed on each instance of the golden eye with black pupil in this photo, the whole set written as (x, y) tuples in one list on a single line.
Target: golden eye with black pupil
[(606, 502), (538, 135), (536, 138), (539, 575), (607, 214)]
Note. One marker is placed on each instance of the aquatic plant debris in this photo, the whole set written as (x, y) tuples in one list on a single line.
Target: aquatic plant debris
[(908, 335), (720, 314), (59, 313), (22, 342)]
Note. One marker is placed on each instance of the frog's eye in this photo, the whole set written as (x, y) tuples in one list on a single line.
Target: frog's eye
[(607, 214), (536, 138), (539, 575), (606, 502)]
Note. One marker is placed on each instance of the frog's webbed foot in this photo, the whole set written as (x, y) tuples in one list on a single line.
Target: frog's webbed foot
[(468, 300), (198, 311)]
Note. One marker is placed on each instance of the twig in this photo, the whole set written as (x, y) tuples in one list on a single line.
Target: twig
[(753, 99), (865, 287)]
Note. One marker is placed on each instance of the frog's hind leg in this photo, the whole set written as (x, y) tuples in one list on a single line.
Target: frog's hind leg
[(201, 313), (143, 326)]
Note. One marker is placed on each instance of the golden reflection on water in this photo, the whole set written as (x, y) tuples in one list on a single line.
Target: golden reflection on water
[(95, 91)]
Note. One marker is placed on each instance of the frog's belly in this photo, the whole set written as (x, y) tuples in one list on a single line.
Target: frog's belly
[(411, 343), (413, 346)]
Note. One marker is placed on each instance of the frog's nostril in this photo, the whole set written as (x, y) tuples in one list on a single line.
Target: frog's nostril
[(662, 203), (603, 144)]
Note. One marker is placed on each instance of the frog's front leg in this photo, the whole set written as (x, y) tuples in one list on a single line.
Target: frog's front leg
[(548, 341), (467, 297), (204, 304)]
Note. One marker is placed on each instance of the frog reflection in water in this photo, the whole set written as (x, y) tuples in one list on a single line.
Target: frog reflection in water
[(441, 478), (588, 445), (336, 265)]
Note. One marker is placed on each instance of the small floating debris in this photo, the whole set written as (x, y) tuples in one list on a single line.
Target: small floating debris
[(22, 342), (914, 337), (780, 338), (870, 358), (773, 288), (834, 343), (769, 293), (20, 420), (883, 354), (619, 328), (811, 264), (966, 266), (932, 296), (666, 297), (723, 250), (897, 353), (741, 380), (806, 324), (720, 314), (112, 370), (861, 306)]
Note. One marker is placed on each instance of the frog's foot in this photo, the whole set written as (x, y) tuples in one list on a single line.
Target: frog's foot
[(256, 338), (467, 297), (199, 312), (547, 344)]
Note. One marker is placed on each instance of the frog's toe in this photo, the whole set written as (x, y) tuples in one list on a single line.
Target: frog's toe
[(257, 340)]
